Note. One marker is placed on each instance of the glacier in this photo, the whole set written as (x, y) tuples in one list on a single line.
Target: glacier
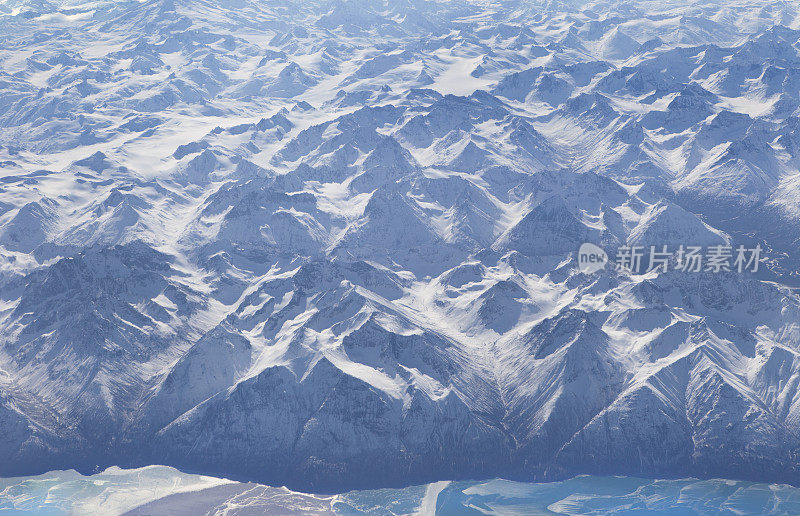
[(331, 245)]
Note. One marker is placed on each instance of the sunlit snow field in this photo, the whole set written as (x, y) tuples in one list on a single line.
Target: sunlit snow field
[(164, 490)]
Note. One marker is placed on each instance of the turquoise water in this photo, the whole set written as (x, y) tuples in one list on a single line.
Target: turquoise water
[(163, 490)]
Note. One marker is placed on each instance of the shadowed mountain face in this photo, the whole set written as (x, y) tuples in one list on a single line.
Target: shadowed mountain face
[(332, 245)]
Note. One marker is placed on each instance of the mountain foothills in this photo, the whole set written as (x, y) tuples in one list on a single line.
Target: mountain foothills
[(332, 245)]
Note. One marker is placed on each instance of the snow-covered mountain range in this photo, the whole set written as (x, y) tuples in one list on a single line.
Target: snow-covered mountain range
[(331, 244)]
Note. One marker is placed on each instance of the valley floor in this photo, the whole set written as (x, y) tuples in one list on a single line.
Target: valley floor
[(164, 490)]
